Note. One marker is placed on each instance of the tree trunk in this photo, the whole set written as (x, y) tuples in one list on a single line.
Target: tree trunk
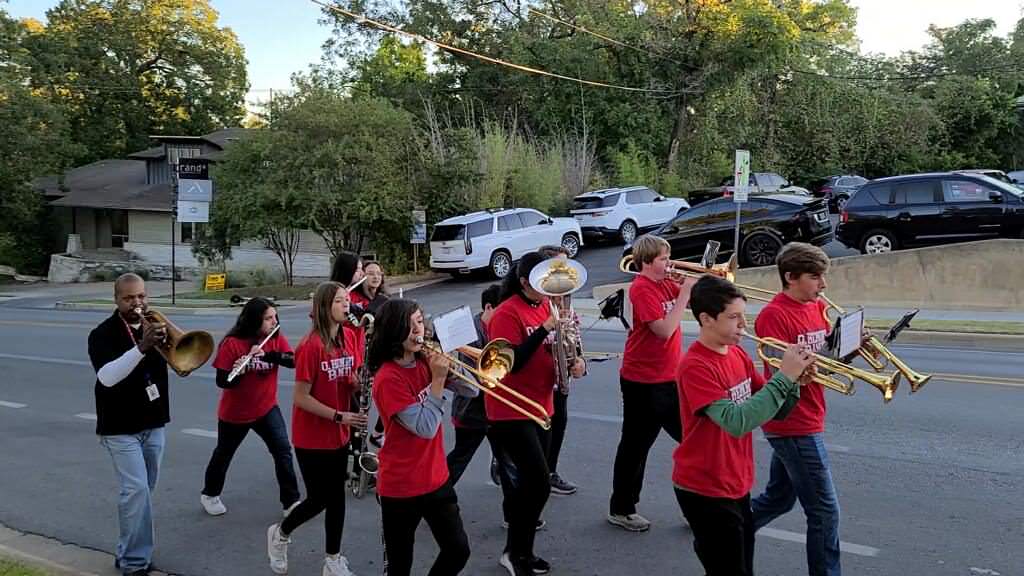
[(678, 131)]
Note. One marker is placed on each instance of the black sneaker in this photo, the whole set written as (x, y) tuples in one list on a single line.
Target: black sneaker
[(515, 567), (561, 486), (539, 565), (495, 477)]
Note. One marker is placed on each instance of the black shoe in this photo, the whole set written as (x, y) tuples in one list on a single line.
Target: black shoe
[(539, 565), (495, 478), (515, 566), (561, 486), (541, 524)]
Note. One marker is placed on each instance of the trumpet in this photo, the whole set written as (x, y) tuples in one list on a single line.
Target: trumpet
[(248, 357), (183, 351), (834, 375), (678, 270), (878, 356), (493, 362)]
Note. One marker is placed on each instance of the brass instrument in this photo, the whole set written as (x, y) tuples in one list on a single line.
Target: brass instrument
[(831, 370), (557, 278), (365, 459), (248, 357), (183, 351), (493, 362), (678, 270), (879, 356)]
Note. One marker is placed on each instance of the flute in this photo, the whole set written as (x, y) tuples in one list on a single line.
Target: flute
[(248, 357)]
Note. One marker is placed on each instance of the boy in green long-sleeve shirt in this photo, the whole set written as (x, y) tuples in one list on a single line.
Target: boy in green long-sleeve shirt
[(722, 398)]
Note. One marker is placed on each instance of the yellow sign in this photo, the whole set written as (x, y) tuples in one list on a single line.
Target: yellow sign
[(216, 282)]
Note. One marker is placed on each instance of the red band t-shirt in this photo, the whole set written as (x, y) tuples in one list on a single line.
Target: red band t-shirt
[(409, 465), (709, 460), (514, 320), (333, 379), (796, 323), (255, 392), (648, 358)]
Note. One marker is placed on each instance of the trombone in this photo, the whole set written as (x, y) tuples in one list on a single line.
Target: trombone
[(879, 356), (833, 370), (679, 269), (493, 362)]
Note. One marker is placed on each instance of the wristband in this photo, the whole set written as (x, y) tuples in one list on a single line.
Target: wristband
[(338, 416)]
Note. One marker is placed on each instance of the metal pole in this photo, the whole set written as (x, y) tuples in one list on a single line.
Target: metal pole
[(415, 258), (174, 222), (736, 238)]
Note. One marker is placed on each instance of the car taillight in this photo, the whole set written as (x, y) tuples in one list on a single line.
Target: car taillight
[(844, 217), (469, 246)]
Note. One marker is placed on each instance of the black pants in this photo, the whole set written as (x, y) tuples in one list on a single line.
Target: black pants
[(526, 445), (723, 532), (324, 472), (274, 433), (646, 410), (559, 420), (467, 440), (440, 509)]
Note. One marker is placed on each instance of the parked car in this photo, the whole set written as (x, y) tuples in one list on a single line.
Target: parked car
[(921, 209), (759, 183), (1017, 176), (495, 239), (836, 189), (991, 173), (624, 212), (767, 223)]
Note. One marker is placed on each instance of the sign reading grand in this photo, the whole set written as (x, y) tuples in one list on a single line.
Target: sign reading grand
[(193, 169)]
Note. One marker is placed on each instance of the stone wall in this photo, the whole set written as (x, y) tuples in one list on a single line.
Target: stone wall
[(65, 269)]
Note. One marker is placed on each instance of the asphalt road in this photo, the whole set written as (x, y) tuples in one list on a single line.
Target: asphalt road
[(928, 484)]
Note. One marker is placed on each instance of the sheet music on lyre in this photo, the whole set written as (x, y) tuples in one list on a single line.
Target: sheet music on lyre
[(851, 330), (455, 328)]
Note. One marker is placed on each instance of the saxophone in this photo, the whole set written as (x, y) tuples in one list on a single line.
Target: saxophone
[(366, 461)]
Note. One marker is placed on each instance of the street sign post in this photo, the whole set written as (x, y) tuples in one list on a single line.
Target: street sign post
[(418, 236), (191, 194), (740, 191)]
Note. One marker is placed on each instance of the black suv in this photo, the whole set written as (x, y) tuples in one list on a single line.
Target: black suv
[(767, 223), (891, 213)]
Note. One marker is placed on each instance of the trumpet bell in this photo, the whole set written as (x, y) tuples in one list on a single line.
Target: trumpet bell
[(369, 463), (558, 276), (184, 351), (494, 360)]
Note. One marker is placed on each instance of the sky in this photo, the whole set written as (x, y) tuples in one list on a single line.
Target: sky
[(281, 37)]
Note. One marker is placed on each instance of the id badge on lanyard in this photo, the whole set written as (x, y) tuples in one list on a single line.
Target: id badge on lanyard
[(152, 392)]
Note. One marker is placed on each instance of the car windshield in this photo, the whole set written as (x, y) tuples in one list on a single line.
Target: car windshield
[(1002, 186)]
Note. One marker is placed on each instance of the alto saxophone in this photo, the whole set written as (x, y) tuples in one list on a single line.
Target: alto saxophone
[(365, 459)]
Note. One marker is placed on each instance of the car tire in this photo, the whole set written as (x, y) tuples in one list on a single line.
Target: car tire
[(878, 241), (501, 264), (760, 249), (571, 243), (627, 232)]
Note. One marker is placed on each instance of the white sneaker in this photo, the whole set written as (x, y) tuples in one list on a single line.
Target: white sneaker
[(277, 549), (336, 565), (212, 505), (632, 522)]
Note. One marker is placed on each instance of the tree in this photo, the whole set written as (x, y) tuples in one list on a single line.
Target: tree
[(254, 200), (122, 70), (35, 142)]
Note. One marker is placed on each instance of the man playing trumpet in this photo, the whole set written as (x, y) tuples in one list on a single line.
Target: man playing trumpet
[(131, 411)]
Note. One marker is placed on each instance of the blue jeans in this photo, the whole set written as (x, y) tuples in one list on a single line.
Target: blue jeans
[(800, 471), (136, 460)]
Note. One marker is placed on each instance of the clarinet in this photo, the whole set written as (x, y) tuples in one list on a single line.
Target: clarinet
[(366, 460)]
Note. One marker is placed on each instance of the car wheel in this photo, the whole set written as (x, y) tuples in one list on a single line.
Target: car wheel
[(571, 244), (760, 249), (627, 232), (878, 242), (501, 264)]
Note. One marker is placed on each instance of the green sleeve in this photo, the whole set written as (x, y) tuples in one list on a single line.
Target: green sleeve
[(740, 419)]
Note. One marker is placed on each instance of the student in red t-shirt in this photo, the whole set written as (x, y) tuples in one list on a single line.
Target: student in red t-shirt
[(524, 318), (412, 480), (249, 402), (800, 465), (650, 403), (348, 269), (325, 367), (722, 398)]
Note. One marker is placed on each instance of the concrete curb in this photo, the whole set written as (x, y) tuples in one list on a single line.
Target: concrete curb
[(56, 557)]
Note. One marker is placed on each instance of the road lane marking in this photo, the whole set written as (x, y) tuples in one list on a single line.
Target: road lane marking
[(847, 547), (86, 416), (199, 432), (12, 404)]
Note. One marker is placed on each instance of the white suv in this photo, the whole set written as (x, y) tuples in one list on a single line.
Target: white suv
[(496, 238), (624, 212)]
